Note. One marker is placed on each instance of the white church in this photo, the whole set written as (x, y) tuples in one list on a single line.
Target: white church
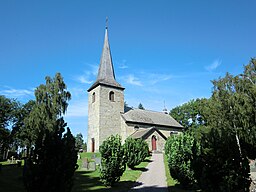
[(107, 114)]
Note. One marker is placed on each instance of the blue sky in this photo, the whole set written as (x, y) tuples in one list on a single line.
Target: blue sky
[(163, 51)]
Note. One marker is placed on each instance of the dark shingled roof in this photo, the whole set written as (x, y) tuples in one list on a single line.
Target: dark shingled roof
[(150, 117), (106, 75)]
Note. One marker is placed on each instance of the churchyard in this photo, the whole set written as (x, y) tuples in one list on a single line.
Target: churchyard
[(86, 176)]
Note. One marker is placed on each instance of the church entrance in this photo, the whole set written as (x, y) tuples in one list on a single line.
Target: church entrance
[(153, 143), (93, 145)]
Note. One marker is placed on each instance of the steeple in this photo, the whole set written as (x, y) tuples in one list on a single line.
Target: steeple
[(106, 74)]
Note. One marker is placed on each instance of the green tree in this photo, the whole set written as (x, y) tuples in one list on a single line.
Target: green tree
[(52, 166), (227, 131), (8, 118), (113, 162), (79, 141), (51, 103), (220, 166), (25, 135), (191, 114), (235, 100), (84, 147)]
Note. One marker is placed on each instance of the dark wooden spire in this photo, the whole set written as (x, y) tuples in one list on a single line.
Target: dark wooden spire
[(106, 74)]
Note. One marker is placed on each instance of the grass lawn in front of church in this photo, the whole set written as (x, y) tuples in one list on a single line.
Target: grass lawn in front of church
[(90, 181), (11, 178)]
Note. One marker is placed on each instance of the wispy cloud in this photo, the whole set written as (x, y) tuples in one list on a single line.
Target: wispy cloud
[(88, 76), (123, 64), (213, 65), (156, 78), (17, 93), (131, 79), (84, 79)]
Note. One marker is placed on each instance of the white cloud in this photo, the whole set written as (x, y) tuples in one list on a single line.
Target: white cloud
[(17, 93), (156, 78), (123, 65), (214, 65), (83, 79), (88, 76), (130, 79), (94, 69)]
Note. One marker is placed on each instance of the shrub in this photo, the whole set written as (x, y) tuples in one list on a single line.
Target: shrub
[(136, 150), (112, 160), (181, 151)]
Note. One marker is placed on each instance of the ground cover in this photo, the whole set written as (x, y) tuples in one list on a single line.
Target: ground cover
[(90, 181), (11, 177)]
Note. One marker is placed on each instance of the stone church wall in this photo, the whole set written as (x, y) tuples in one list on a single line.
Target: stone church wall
[(129, 128), (93, 118)]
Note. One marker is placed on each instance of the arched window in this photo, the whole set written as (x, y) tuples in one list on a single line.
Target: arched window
[(136, 127), (111, 96), (93, 97)]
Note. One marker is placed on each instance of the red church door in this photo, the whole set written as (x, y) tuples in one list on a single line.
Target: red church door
[(93, 145), (153, 143)]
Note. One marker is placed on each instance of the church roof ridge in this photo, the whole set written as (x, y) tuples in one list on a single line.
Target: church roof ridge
[(149, 110), (106, 74), (150, 117)]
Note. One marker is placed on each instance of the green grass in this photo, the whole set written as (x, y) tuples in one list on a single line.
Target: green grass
[(11, 178), (90, 181), (133, 175)]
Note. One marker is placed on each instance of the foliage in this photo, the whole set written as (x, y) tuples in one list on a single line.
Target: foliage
[(181, 150), (52, 166), (54, 162), (8, 117), (235, 98), (51, 103), (136, 150), (23, 133), (140, 106), (84, 147), (112, 160), (220, 167), (79, 141), (227, 132), (191, 114)]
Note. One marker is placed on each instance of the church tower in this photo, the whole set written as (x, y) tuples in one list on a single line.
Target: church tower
[(105, 102)]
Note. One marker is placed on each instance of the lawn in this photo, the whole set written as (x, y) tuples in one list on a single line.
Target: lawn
[(89, 181), (11, 178)]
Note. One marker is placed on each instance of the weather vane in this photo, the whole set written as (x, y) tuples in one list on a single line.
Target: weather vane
[(106, 22)]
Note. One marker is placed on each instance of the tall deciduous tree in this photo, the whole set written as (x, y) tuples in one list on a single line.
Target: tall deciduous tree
[(53, 164)]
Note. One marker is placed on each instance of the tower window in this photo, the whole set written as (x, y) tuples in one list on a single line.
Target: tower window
[(93, 97), (111, 96)]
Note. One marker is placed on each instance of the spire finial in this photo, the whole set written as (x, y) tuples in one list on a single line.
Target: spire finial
[(106, 22), (165, 110)]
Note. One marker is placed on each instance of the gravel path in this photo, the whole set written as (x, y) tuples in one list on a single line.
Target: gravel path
[(154, 179)]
